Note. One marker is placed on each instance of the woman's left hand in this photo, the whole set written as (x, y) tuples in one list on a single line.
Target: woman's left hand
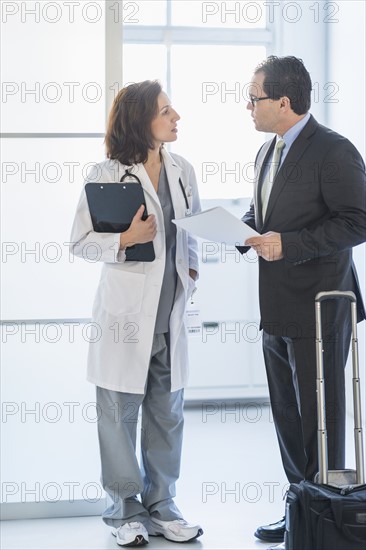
[(193, 274)]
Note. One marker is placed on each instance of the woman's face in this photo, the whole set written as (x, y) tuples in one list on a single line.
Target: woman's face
[(164, 125)]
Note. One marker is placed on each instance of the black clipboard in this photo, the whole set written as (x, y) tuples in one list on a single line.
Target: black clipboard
[(112, 207)]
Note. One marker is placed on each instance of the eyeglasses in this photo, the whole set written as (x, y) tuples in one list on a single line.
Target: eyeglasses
[(253, 100)]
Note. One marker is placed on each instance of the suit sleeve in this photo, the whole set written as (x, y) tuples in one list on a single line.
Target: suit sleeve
[(343, 188)]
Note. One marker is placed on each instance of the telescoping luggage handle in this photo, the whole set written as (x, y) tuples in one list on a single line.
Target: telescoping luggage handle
[(322, 429)]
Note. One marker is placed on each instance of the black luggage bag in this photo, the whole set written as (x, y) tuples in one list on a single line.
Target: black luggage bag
[(330, 513)]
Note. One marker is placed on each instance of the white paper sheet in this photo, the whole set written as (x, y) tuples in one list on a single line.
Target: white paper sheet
[(217, 225)]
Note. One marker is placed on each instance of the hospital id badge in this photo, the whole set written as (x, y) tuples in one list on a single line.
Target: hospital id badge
[(193, 319)]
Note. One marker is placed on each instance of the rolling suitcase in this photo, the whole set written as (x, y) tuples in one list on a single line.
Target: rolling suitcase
[(330, 513)]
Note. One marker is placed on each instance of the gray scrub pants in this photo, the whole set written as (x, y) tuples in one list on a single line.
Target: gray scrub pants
[(154, 479)]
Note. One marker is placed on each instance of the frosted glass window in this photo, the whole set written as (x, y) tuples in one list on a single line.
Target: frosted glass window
[(39, 198), (144, 62), (53, 68), (216, 132), (50, 449), (219, 14), (144, 12)]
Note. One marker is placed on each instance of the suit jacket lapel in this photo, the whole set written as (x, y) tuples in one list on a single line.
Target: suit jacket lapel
[(289, 165)]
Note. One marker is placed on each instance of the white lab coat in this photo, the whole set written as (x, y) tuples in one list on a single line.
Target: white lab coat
[(127, 298)]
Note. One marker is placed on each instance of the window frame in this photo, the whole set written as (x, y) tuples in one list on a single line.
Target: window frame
[(171, 35)]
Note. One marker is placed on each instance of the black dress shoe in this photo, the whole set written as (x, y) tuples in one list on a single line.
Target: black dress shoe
[(274, 532)]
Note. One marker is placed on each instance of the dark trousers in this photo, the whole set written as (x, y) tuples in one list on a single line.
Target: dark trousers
[(291, 373)]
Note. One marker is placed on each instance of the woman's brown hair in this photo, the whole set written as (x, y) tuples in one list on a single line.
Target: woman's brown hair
[(128, 136)]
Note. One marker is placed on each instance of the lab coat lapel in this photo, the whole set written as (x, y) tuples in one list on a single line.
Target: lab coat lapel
[(174, 172), (140, 172)]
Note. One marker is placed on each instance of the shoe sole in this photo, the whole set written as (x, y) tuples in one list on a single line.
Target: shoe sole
[(139, 541), (198, 534), (278, 538)]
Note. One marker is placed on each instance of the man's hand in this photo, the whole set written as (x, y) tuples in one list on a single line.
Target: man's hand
[(268, 246)]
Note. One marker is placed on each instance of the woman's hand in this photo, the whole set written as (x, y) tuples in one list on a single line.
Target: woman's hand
[(140, 231)]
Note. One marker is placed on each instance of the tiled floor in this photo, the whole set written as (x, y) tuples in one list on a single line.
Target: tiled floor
[(231, 482)]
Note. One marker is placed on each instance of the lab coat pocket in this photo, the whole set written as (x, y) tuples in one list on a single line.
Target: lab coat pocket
[(122, 292)]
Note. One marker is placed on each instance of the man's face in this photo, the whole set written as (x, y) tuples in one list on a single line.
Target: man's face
[(266, 113)]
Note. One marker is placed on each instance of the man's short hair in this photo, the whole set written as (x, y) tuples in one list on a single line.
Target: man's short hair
[(287, 76)]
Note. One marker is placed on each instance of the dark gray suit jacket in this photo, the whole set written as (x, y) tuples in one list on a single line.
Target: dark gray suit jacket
[(318, 204)]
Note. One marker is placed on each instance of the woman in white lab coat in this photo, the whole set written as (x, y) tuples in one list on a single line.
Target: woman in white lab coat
[(138, 353)]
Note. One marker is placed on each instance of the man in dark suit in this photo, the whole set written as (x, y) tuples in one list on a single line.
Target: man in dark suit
[(309, 207)]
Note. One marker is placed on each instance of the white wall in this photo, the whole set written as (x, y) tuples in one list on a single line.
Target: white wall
[(347, 62)]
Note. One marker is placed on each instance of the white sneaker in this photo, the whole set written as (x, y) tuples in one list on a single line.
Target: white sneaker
[(131, 534), (177, 530)]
